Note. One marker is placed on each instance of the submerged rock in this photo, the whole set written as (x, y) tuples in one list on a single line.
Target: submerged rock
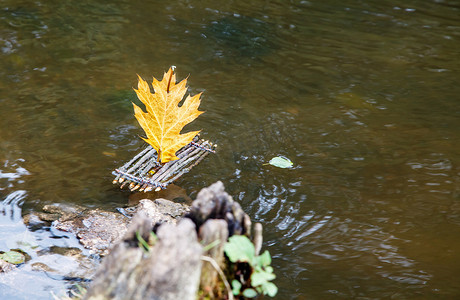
[(42, 267)]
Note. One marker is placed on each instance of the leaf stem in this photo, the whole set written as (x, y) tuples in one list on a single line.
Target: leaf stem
[(169, 80)]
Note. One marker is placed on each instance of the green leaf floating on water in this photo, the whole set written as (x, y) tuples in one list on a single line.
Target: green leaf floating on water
[(281, 162), (13, 257)]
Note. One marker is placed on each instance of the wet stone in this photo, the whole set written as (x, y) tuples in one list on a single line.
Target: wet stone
[(162, 211), (64, 211), (158, 210), (33, 221), (41, 267), (96, 229), (70, 252)]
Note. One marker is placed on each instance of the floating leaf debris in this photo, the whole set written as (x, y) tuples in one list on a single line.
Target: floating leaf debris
[(281, 162), (13, 257)]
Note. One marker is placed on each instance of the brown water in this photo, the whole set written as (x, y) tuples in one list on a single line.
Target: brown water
[(362, 97)]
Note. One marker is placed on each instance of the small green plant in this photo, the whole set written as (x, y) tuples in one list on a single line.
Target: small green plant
[(143, 244), (240, 249)]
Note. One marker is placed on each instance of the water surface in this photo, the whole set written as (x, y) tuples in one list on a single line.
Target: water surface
[(362, 97)]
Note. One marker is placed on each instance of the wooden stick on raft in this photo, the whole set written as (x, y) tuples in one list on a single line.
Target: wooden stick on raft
[(143, 171)]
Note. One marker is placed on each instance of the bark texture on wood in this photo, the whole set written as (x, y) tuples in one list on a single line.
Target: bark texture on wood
[(214, 203), (170, 270), (175, 262), (217, 217), (258, 238), (210, 232)]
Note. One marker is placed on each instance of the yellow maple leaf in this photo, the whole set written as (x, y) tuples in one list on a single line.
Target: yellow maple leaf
[(164, 118)]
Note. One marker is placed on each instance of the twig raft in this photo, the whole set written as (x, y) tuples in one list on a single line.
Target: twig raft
[(143, 171)]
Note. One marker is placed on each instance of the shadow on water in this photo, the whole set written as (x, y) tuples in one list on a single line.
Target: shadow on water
[(362, 97)]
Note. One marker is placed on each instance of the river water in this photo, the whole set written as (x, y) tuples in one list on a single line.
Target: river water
[(363, 97)]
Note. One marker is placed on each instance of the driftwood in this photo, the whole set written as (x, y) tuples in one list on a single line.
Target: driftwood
[(169, 270), (215, 234), (218, 217), (214, 203), (185, 257)]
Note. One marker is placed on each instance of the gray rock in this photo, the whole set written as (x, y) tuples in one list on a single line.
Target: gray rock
[(96, 229), (159, 210), (42, 267), (162, 210), (33, 220)]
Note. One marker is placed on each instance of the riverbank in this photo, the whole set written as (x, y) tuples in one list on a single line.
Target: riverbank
[(212, 218)]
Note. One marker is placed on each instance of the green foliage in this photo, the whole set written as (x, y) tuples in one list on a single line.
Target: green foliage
[(240, 249), (13, 257), (249, 293), (236, 287), (143, 244), (281, 162)]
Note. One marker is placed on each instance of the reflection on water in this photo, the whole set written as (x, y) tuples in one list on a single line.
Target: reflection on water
[(362, 97), (11, 171), (53, 258)]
